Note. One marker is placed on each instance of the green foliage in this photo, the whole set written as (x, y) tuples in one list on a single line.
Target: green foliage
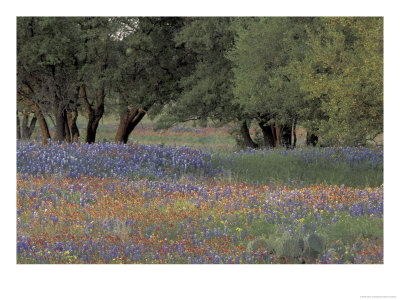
[(98, 58), (206, 83), (264, 50), (47, 56), (342, 76), (47, 41), (326, 73), (147, 61)]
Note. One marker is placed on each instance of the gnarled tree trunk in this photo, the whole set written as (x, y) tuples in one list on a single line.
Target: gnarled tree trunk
[(25, 126), (268, 135), (67, 138), (41, 120), (128, 121), (248, 141), (32, 126), (133, 123), (95, 112), (27, 129), (286, 136), (43, 126), (72, 115)]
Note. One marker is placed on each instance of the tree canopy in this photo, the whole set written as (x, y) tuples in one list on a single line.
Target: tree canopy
[(324, 74)]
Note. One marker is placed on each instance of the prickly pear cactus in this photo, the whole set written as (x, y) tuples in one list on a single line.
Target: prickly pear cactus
[(315, 246), (301, 244), (291, 248), (315, 242), (288, 246)]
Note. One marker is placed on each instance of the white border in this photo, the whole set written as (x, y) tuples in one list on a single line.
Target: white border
[(197, 282)]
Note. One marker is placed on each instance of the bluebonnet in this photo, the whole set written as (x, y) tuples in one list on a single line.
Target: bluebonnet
[(112, 160)]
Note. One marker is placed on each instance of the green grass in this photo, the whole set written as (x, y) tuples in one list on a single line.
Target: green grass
[(252, 168), (353, 229), (218, 140), (203, 143)]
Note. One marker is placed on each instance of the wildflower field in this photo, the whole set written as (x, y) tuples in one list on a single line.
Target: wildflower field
[(108, 203)]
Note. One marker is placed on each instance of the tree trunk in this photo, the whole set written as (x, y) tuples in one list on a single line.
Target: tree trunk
[(273, 132), (94, 114), (32, 126), (42, 121), (248, 141), (294, 136), (277, 135), (60, 121), (25, 120), (123, 125), (27, 130), (268, 134), (67, 138), (72, 115), (18, 128), (128, 121), (286, 136), (43, 125), (133, 123)]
